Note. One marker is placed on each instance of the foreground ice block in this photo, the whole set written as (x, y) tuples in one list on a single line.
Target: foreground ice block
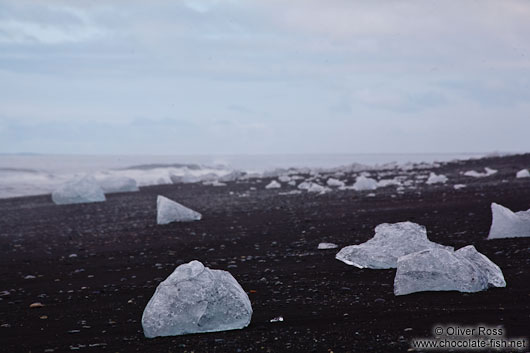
[(79, 190), (118, 184), (508, 224), (170, 211), (436, 269), (195, 299), (364, 183), (523, 173), (389, 243)]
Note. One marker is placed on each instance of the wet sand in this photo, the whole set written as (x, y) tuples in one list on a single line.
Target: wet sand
[(93, 301)]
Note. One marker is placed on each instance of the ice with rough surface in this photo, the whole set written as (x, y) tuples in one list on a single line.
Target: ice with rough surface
[(474, 174), (464, 270), (391, 241), (79, 190), (335, 182), (508, 224), (273, 185), (325, 246), (170, 211), (118, 184), (523, 173), (364, 183), (435, 179), (196, 299)]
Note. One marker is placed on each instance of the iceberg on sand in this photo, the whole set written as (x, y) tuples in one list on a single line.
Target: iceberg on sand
[(79, 190), (364, 183), (437, 269), (390, 242), (170, 211), (196, 299), (508, 224)]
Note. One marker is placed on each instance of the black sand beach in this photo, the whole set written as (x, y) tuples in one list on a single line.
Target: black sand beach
[(93, 301)]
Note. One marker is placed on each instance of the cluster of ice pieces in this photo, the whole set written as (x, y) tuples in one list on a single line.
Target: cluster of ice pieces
[(168, 211), (195, 299), (438, 269), (508, 224), (79, 190), (389, 243), (474, 174)]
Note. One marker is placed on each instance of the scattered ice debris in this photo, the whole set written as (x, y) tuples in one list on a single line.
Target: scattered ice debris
[(364, 183), (118, 184), (335, 182), (435, 179), (523, 173), (386, 182), (508, 224), (325, 246), (474, 174), (436, 269), (79, 190), (170, 211), (195, 299), (273, 185), (391, 241), (459, 186), (277, 319)]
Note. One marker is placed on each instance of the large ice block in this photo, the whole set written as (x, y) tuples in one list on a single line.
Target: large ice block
[(195, 299), (508, 224), (170, 211), (79, 190)]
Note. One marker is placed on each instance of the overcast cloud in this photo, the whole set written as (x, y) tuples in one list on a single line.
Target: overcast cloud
[(298, 76)]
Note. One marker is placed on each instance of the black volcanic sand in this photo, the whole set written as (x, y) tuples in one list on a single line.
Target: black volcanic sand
[(94, 301)]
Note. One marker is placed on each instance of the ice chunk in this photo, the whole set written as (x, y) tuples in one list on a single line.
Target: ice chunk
[(523, 173), (195, 299), (391, 240), (325, 246), (465, 270), (364, 183), (459, 186), (305, 185), (335, 182), (435, 179), (118, 184), (170, 211), (273, 185), (316, 188), (474, 174), (284, 178), (508, 224), (492, 271), (437, 269), (387, 182), (79, 190)]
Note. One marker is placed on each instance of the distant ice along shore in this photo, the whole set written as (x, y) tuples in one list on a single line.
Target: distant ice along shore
[(26, 174)]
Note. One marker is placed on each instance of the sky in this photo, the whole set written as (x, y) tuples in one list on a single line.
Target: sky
[(264, 77)]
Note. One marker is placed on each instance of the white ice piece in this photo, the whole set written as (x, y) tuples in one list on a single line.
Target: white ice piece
[(474, 174), (284, 178), (435, 179), (79, 190), (118, 184), (316, 188), (170, 211), (523, 173), (335, 182), (195, 299), (436, 269), (391, 241), (325, 246), (364, 183), (273, 185), (388, 182), (459, 186), (508, 224)]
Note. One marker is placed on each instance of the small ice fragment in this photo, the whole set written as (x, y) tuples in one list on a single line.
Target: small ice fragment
[(273, 185), (79, 190), (364, 183), (387, 182), (195, 299), (325, 246), (335, 182), (391, 241), (277, 319), (434, 179), (170, 211), (474, 174), (284, 178), (72, 255), (459, 186), (523, 173), (508, 224), (316, 188), (30, 277), (118, 184)]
